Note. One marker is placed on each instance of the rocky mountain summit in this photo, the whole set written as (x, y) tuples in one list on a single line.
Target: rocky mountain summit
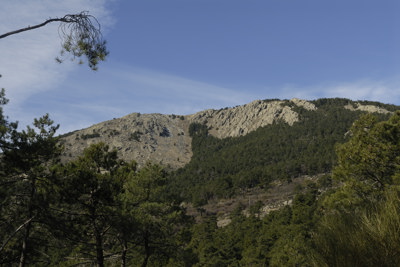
[(165, 138), (241, 120)]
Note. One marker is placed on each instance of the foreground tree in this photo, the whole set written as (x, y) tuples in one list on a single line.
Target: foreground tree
[(369, 163), (81, 37), (89, 190), (361, 221), (26, 189), (158, 222)]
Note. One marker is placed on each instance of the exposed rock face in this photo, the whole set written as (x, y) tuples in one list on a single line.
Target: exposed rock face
[(142, 137), (241, 120), (367, 108), (165, 138), (303, 103)]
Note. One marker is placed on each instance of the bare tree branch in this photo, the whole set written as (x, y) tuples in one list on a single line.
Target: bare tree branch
[(30, 27), (15, 232)]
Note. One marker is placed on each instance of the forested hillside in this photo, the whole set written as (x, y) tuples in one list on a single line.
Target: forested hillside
[(221, 168), (100, 210)]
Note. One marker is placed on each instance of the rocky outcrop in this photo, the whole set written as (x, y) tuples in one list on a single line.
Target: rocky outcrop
[(304, 104), (140, 137), (367, 108), (241, 120)]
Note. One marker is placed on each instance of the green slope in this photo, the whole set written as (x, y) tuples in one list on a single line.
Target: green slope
[(224, 167)]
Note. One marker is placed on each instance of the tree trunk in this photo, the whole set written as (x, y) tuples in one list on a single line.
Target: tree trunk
[(123, 253), (22, 259), (24, 249), (147, 252), (99, 249)]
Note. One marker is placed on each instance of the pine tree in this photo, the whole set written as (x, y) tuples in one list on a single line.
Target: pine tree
[(27, 189), (89, 190)]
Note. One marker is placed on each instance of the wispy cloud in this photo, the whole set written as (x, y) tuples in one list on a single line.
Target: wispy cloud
[(384, 90), (387, 91), (179, 94)]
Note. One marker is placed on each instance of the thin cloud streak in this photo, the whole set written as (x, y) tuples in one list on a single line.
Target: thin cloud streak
[(385, 91), (174, 88), (382, 91)]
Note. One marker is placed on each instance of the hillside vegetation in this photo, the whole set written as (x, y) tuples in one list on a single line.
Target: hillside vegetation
[(99, 209), (221, 168)]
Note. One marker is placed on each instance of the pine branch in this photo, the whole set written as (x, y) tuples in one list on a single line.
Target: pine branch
[(80, 34), (32, 27)]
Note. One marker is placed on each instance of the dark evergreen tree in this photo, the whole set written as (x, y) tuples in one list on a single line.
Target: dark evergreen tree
[(158, 222), (27, 189), (89, 190), (361, 219)]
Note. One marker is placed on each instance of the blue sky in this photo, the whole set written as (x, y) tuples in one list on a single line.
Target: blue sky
[(183, 56)]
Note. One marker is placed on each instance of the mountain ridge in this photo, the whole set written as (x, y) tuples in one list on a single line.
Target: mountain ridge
[(165, 139)]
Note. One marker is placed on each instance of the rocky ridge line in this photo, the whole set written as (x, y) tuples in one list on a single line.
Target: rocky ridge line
[(241, 120), (165, 138)]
